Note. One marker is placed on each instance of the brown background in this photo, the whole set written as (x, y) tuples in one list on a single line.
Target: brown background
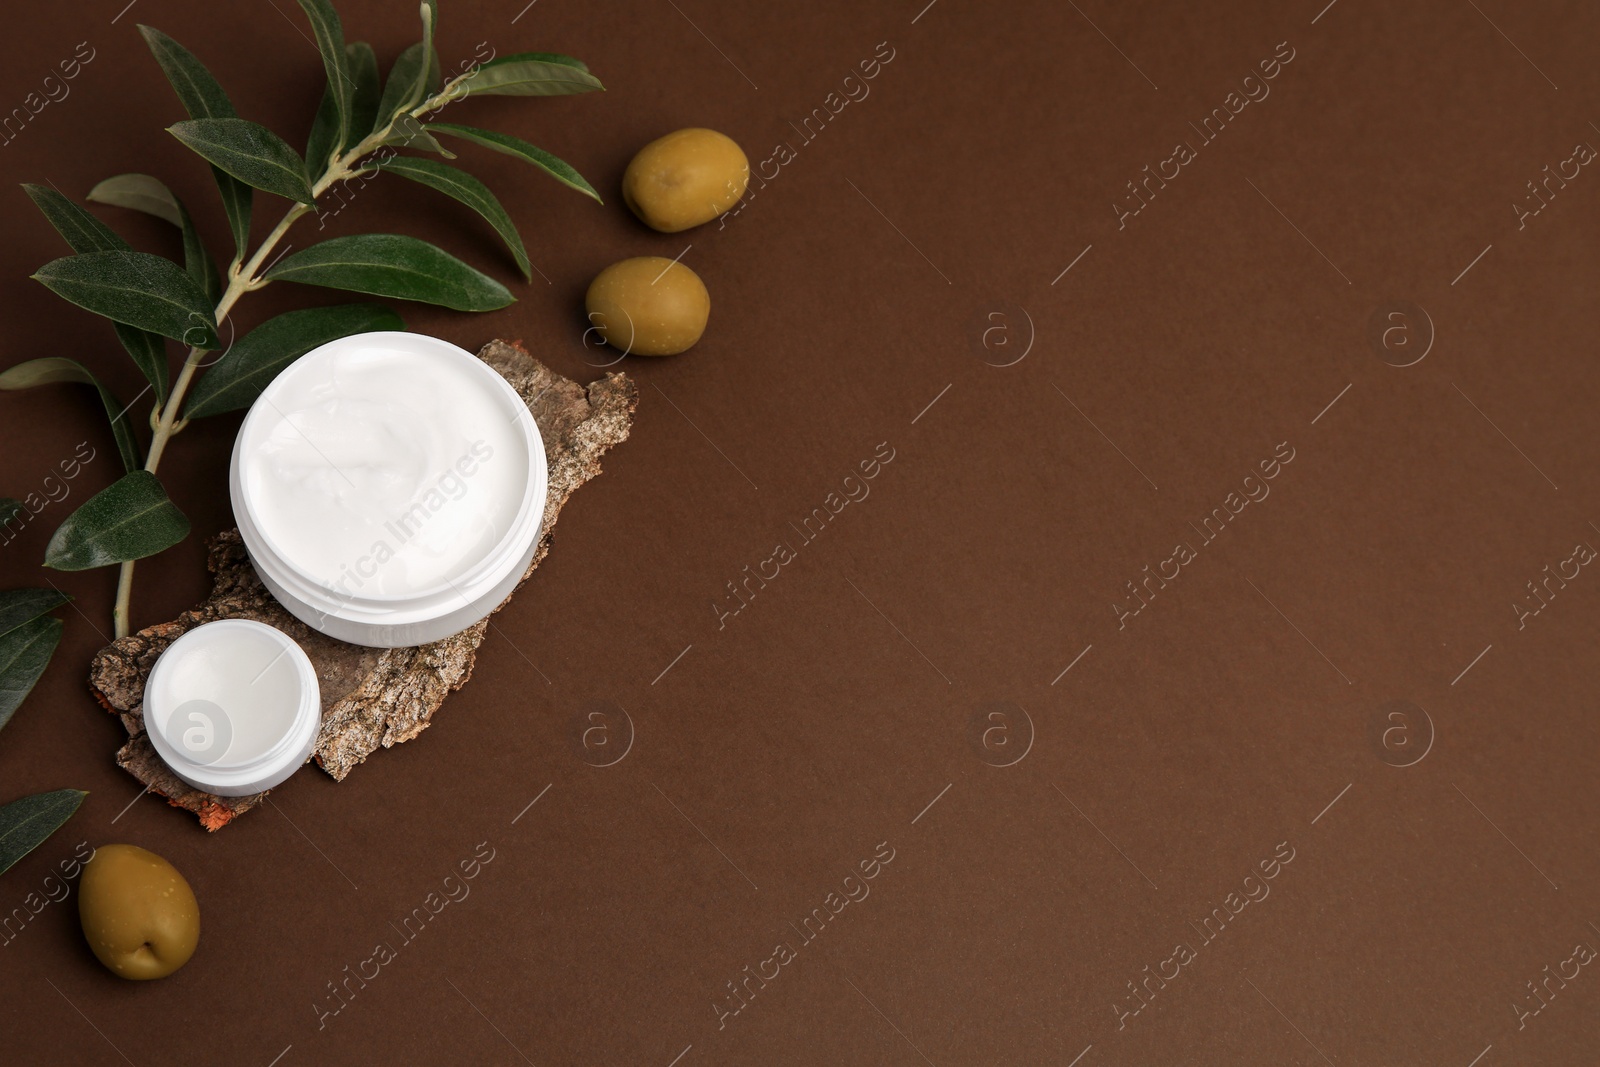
[(779, 751)]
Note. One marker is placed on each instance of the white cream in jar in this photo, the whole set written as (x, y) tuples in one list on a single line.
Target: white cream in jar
[(387, 485), (233, 707)]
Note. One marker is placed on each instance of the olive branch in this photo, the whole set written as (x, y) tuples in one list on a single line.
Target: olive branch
[(358, 132)]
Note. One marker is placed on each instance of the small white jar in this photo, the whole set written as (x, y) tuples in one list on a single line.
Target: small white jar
[(389, 488), (233, 707)]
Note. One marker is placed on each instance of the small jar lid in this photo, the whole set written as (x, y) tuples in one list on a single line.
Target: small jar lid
[(233, 707)]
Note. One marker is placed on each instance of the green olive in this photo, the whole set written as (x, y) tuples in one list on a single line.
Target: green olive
[(138, 914), (648, 306), (685, 178)]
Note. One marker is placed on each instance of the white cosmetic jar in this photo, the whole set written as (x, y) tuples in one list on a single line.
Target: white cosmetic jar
[(233, 707), (389, 488)]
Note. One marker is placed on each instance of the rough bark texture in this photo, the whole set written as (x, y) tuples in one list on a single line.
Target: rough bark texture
[(371, 697)]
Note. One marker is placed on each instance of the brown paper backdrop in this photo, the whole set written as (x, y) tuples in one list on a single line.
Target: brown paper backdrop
[(864, 298)]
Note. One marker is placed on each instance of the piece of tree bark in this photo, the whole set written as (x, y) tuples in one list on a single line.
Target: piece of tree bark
[(371, 697)]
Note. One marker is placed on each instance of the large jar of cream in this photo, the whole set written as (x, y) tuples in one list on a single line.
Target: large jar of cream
[(389, 488)]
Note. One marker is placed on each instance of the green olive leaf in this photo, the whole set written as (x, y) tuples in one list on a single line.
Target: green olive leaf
[(459, 185), (136, 288), (27, 823), (199, 92), (130, 519), (520, 149), (137, 192), (383, 264), (25, 652), (256, 358), (143, 193), (321, 144), (529, 74), (363, 63), (329, 33), (203, 98), (549, 57), (85, 233), (403, 78), (197, 262), (149, 353), (53, 369), (18, 606), (10, 508), (421, 87), (250, 152), (409, 133), (82, 231)]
